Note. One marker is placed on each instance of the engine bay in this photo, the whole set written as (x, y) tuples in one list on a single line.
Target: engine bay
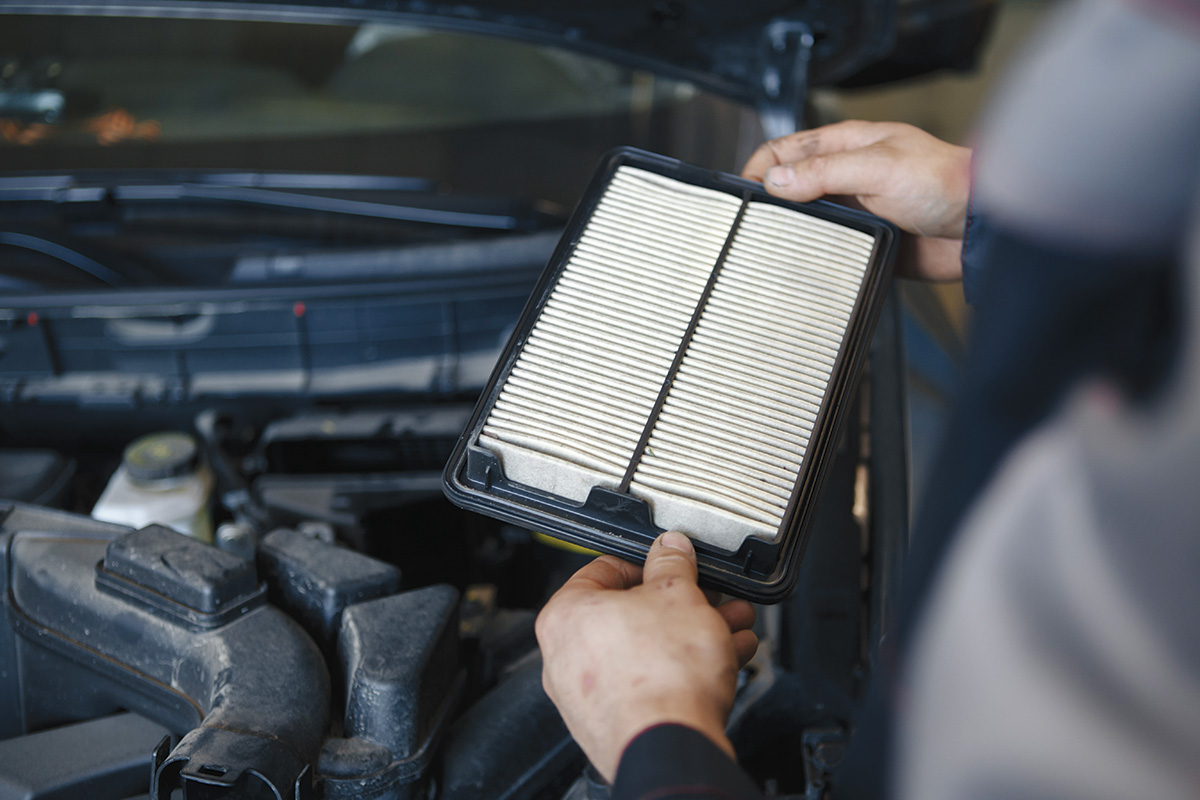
[(350, 633)]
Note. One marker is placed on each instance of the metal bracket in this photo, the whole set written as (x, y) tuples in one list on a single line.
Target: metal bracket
[(824, 749), (787, 52)]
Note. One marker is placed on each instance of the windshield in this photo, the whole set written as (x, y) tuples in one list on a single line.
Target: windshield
[(473, 113)]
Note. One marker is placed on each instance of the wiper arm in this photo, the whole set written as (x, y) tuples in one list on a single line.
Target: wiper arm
[(415, 200), (314, 181), (493, 254), (85, 264), (409, 212)]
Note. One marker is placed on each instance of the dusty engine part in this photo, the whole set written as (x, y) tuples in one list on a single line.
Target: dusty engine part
[(315, 582), (400, 659), (160, 624), (231, 696)]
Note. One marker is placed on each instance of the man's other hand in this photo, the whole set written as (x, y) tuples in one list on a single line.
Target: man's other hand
[(626, 648), (896, 171)]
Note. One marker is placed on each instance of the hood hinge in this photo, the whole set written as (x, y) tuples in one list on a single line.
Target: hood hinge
[(787, 51)]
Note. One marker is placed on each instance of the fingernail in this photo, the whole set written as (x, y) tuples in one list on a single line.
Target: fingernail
[(676, 541), (782, 175)]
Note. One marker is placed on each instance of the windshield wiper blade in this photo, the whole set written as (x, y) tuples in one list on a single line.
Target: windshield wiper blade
[(314, 181)]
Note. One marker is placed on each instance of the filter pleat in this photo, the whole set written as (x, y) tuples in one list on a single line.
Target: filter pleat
[(630, 298), (757, 485), (553, 413), (795, 268), (838, 260), (568, 396), (531, 374), (750, 461), (704, 489), (811, 322), (821, 301), (741, 299), (588, 467), (689, 430), (770, 338), (815, 363), (823, 232), (801, 381), (631, 218), (553, 420), (550, 362), (614, 317), (793, 422), (739, 390), (837, 265), (714, 412), (572, 344), (670, 246), (585, 440), (648, 277)]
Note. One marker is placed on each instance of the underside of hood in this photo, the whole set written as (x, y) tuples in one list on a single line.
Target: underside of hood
[(761, 52)]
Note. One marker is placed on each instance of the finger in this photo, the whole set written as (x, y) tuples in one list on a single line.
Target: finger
[(713, 597), (603, 573), (738, 615), (745, 644), (836, 138), (671, 559), (762, 159), (854, 172)]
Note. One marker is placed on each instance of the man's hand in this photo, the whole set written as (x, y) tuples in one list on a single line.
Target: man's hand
[(628, 647), (899, 172)]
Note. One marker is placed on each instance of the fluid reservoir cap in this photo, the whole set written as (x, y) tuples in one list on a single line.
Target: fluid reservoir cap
[(160, 456)]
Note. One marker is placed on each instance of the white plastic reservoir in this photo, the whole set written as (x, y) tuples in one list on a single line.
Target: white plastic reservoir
[(162, 479)]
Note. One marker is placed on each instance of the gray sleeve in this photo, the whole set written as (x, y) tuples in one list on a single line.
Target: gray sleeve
[(1060, 653), (1044, 668), (1094, 139)]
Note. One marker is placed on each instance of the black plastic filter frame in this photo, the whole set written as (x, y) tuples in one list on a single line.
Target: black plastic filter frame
[(615, 521)]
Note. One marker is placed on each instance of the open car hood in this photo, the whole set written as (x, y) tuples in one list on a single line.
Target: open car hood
[(761, 52)]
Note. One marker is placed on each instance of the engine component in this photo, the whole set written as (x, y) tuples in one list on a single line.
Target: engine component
[(105, 757), (510, 744), (237, 538), (162, 479), (194, 589), (34, 476), (343, 501), (400, 658), (175, 630), (315, 582), (363, 442), (104, 618), (341, 468)]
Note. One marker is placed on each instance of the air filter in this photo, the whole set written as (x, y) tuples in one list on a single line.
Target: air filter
[(683, 364)]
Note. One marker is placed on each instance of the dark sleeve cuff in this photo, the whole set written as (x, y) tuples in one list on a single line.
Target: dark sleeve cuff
[(676, 762), (975, 238)]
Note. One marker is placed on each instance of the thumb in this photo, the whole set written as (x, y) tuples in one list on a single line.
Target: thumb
[(854, 172), (671, 558)]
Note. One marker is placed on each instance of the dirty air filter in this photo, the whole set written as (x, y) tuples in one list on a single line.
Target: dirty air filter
[(683, 364)]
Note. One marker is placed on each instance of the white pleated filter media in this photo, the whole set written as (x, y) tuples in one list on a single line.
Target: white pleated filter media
[(726, 450)]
